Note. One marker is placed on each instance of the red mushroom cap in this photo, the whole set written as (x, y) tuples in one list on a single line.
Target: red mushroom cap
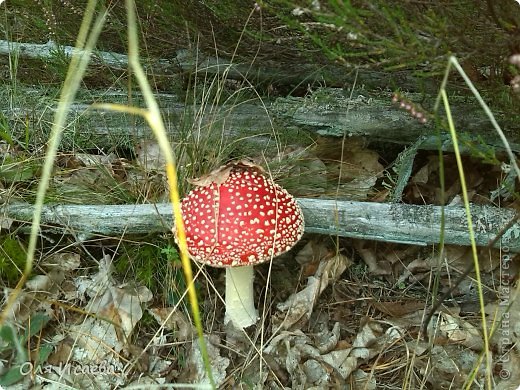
[(240, 217)]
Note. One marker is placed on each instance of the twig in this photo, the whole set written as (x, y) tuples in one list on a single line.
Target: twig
[(466, 272)]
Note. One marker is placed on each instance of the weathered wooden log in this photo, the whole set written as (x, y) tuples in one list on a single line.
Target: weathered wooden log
[(333, 112), (49, 50), (89, 128), (401, 223), (303, 75), (189, 61), (326, 111)]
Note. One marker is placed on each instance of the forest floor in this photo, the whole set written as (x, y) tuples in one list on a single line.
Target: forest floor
[(335, 312)]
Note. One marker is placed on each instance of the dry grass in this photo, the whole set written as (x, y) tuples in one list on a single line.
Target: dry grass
[(385, 308)]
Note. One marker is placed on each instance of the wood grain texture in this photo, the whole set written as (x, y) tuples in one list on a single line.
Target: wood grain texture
[(401, 223), (368, 112), (332, 114)]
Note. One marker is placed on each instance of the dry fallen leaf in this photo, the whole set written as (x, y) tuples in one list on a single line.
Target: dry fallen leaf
[(368, 254), (149, 155), (218, 363), (5, 222), (354, 170), (505, 315), (221, 174), (311, 255), (120, 304), (398, 308), (357, 164), (175, 321), (508, 377), (65, 261), (297, 309), (62, 353), (95, 341), (449, 366), (309, 366), (26, 304), (459, 331)]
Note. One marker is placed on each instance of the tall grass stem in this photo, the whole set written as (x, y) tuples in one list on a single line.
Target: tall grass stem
[(85, 42), (154, 119), (471, 232)]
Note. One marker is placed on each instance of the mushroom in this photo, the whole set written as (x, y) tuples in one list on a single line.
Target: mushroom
[(236, 218)]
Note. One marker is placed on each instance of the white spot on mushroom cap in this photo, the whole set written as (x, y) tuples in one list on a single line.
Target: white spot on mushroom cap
[(237, 237)]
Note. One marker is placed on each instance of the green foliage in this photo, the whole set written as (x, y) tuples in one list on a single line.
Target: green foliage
[(396, 35), (175, 277), (6, 134), (5, 131), (12, 259), (479, 148), (373, 33), (58, 62), (155, 265), (15, 165), (13, 348), (144, 262), (17, 169), (172, 254)]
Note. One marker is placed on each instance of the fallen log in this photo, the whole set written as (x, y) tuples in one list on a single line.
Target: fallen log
[(49, 50), (327, 112), (189, 61), (368, 112), (400, 223)]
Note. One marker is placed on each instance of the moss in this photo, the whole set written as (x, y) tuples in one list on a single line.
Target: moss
[(12, 259), (156, 265), (143, 261)]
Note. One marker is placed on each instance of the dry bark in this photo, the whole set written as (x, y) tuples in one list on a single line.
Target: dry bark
[(401, 223), (368, 112)]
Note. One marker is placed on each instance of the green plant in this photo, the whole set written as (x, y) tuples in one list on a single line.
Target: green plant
[(5, 131), (12, 259), (443, 97), (154, 265), (479, 148), (153, 116), (16, 169), (13, 347), (87, 37), (143, 261), (176, 283), (375, 34), (58, 62)]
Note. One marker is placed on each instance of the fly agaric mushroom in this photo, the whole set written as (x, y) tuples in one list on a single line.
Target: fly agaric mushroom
[(236, 218)]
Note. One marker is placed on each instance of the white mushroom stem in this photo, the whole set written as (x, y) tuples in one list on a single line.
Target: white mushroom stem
[(240, 303)]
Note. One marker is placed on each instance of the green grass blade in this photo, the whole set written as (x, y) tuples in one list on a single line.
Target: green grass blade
[(78, 64), (460, 167), (153, 116)]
